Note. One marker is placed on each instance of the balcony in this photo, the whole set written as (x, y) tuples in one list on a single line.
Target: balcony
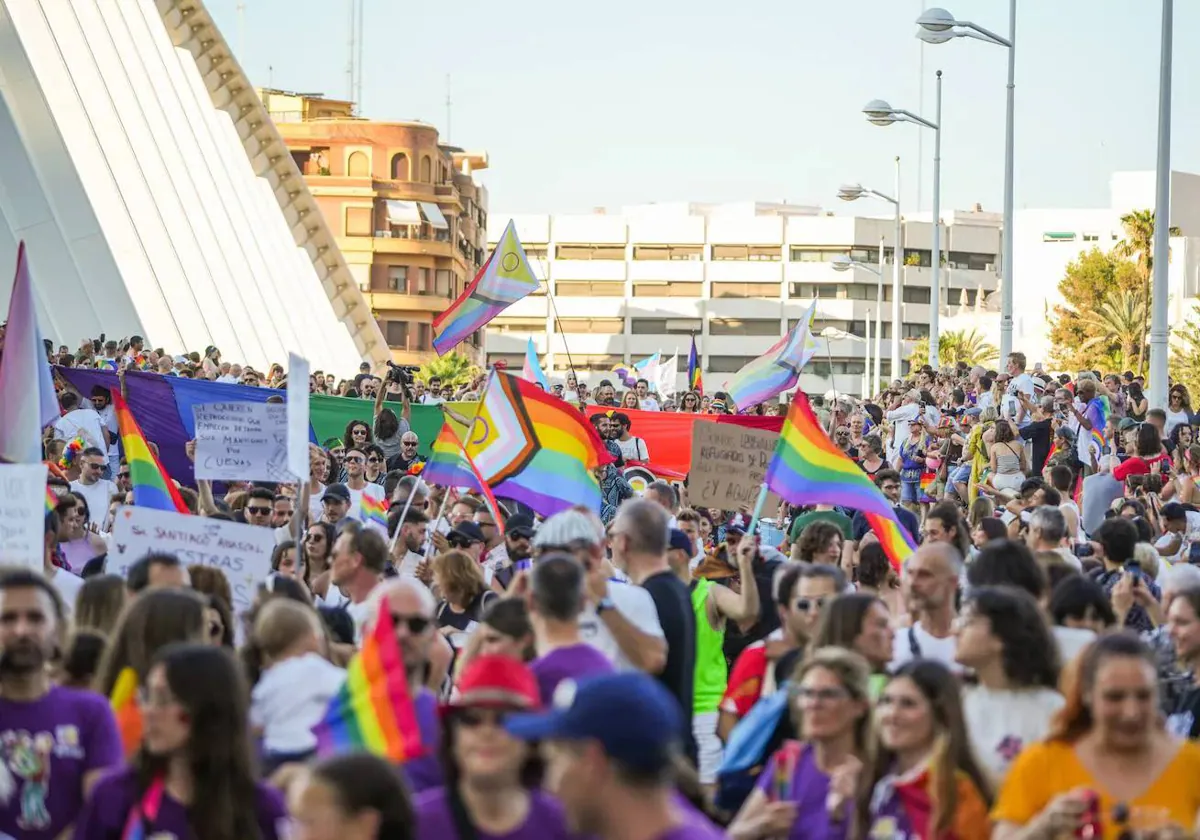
[(389, 243), (402, 302)]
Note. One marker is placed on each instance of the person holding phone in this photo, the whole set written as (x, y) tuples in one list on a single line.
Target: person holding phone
[(1135, 597)]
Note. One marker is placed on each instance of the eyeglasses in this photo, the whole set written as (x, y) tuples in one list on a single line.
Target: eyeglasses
[(821, 695), (354, 459), (459, 542), (417, 624), (122, 475), (472, 718), (809, 604), (358, 432), (373, 460), (314, 537), (258, 511), (408, 443)]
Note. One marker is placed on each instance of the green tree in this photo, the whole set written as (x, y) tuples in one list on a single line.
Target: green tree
[(1086, 284), (1185, 352), (454, 369), (1120, 319), (953, 347), (1138, 245)]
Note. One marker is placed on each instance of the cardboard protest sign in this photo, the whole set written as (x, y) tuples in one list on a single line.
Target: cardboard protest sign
[(22, 515), (728, 465), (243, 441)]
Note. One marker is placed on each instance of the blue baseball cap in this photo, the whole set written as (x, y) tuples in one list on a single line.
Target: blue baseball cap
[(681, 542), (635, 719)]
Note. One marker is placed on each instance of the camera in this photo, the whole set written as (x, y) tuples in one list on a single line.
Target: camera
[(398, 374)]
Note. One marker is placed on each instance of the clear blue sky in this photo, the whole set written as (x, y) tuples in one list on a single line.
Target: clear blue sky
[(628, 101)]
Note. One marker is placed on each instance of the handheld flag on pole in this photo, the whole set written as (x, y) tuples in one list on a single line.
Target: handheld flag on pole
[(532, 371), (503, 280), (776, 370), (450, 466), (27, 400), (695, 381), (152, 487)]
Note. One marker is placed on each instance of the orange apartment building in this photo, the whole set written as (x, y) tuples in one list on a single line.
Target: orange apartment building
[(406, 210)]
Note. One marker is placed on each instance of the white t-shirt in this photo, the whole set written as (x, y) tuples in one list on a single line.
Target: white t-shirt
[(290, 698), (634, 449), (68, 586), (375, 490), (1174, 418), (81, 422), (636, 605), (649, 404), (1071, 641), (361, 611), (1190, 536), (97, 495), (930, 647), (1002, 722)]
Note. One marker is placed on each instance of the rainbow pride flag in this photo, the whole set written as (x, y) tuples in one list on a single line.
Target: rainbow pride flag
[(51, 499), (503, 280), (532, 371), (695, 379), (896, 541), (123, 702), (532, 447), (373, 710), (778, 369), (152, 487), (373, 512), (807, 468), (450, 466)]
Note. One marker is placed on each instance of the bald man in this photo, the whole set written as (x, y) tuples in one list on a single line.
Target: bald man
[(931, 578)]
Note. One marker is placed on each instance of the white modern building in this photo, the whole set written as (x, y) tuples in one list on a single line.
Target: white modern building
[(155, 195), (737, 276)]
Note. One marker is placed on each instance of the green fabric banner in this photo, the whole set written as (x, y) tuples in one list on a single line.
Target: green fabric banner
[(330, 415)]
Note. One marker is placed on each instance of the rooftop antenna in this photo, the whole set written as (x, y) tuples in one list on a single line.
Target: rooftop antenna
[(350, 47), (448, 107), (358, 58), (241, 14)]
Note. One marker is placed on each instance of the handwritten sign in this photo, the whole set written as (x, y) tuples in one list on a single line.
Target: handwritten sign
[(728, 464), (22, 515), (241, 441), (297, 416), (242, 552)]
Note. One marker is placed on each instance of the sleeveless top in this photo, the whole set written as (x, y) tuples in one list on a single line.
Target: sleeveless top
[(711, 670), (1006, 460)]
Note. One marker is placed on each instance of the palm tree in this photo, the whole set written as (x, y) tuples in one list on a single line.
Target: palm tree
[(1138, 246), (453, 369), (955, 346), (1120, 318)]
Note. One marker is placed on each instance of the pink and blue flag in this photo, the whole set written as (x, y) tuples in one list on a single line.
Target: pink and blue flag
[(532, 371), (776, 370), (503, 280)]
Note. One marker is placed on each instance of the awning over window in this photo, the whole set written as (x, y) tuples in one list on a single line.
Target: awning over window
[(403, 213), (433, 215)]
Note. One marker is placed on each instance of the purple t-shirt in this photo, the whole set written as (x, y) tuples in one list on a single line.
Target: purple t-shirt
[(809, 788), (567, 663), (47, 747), (425, 771), (545, 820), (116, 795), (694, 830)]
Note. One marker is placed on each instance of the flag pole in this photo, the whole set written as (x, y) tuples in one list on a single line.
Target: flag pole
[(403, 513), (758, 509), (558, 323), (436, 520)]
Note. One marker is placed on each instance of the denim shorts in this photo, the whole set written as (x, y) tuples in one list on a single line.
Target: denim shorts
[(910, 491), (960, 474)]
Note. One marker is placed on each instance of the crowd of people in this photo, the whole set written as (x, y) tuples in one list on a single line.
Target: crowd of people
[(649, 670)]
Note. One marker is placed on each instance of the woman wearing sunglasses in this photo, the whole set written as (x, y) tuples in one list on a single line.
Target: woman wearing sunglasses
[(492, 787)]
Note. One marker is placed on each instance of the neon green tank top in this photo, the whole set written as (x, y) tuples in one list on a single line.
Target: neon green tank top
[(711, 671)]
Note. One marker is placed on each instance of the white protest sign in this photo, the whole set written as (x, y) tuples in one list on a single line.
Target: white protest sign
[(242, 552), (297, 416), (22, 515), (242, 441)]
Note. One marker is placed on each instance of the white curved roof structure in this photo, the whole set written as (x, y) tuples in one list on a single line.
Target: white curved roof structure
[(155, 195)]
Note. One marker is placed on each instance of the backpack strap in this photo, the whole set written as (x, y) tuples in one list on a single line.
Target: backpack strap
[(914, 646)]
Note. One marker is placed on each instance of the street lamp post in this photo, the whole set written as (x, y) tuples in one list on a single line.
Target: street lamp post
[(1162, 217), (844, 263), (879, 112), (852, 192), (937, 27)]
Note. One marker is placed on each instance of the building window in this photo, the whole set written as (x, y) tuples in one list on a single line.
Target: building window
[(745, 290), (400, 168), (915, 294), (358, 165), (805, 253), (918, 258), (820, 367), (423, 287), (599, 362), (971, 261), (749, 326), (396, 333), (728, 364), (442, 282), (915, 331), (839, 291), (425, 337), (753, 253), (665, 326), (397, 278), (512, 361), (426, 170), (517, 325), (870, 256), (360, 221), (1058, 236), (537, 252), (668, 289), (583, 288), (594, 326), (1091, 237), (590, 252), (668, 252)]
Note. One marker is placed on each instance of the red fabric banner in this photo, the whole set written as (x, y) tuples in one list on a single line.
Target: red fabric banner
[(668, 434)]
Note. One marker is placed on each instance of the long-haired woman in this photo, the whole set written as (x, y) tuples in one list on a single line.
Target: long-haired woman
[(1183, 625), (465, 595), (351, 797), (492, 787), (99, 603), (1106, 758), (860, 622), (690, 403), (1007, 459), (1179, 407), (318, 557), (1003, 637), (807, 787), (77, 542), (630, 401), (924, 780), (194, 773)]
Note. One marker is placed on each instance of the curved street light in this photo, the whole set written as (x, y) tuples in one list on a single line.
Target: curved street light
[(879, 112), (937, 26)]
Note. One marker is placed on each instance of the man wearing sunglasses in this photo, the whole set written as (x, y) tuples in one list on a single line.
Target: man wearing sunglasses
[(355, 462), (468, 537), (408, 455), (359, 558)]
